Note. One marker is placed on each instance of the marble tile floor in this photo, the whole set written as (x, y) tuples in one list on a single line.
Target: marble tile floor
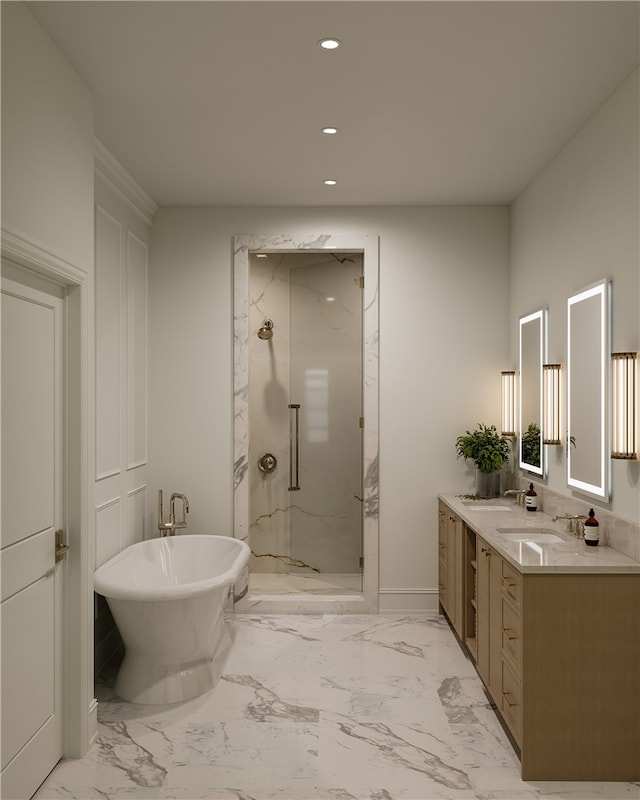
[(281, 583), (321, 707)]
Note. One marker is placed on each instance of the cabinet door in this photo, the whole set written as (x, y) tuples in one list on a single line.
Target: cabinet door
[(483, 610), (456, 574), (443, 557), (495, 626), (489, 619)]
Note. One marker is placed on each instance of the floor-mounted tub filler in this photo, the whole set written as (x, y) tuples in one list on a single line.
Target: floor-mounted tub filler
[(167, 596)]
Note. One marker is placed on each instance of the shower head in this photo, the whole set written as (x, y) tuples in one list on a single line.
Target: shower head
[(266, 331)]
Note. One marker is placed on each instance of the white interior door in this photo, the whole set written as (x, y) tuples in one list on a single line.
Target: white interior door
[(32, 509)]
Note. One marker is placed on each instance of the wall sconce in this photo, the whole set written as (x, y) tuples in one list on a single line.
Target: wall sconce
[(509, 403), (624, 405), (551, 403)]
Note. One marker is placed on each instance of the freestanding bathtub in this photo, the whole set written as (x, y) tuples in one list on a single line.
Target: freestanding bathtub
[(167, 596)]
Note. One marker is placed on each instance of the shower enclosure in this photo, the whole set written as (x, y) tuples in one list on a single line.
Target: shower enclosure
[(305, 402), (295, 552)]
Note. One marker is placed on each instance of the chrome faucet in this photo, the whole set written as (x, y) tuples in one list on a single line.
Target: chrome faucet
[(169, 528), (520, 493), (575, 523)]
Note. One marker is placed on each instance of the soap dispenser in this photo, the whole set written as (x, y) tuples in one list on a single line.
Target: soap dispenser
[(531, 499), (591, 530)]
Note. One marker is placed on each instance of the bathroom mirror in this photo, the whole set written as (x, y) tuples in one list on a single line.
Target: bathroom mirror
[(533, 329), (587, 390)]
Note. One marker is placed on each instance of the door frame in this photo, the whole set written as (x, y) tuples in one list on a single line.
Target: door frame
[(79, 706), (369, 246)]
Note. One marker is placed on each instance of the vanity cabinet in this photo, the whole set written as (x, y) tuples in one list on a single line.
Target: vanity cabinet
[(559, 654)]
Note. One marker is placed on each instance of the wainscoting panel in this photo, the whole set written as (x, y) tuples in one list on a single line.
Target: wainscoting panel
[(108, 242)]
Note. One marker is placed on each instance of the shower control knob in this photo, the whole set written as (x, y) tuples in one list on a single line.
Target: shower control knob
[(267, 463)]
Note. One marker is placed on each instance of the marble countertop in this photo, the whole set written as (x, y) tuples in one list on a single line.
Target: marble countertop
[(571, 555)]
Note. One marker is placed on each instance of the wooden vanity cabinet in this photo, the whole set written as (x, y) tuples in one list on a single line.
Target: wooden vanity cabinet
[(559, 654)]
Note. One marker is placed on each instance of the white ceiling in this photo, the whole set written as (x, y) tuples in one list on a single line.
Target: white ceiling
[(222, 103)]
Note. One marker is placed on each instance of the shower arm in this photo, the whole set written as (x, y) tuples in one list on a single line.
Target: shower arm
[(294, 448)]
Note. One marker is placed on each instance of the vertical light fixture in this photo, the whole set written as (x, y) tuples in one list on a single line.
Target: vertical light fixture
[(624, 405), (509, 403), (551, 403)]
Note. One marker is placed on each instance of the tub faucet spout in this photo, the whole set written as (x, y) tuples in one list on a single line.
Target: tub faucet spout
[(172, 510)]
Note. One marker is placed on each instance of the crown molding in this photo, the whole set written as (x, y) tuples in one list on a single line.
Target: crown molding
[(113, 173), (24, 251)]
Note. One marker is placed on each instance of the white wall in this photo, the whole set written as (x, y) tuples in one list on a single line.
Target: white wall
[(443, 342), (578, 222), (47, 143), (47, 224)]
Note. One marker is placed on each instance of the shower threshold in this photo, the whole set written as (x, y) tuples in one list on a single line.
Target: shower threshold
[(283, 583)]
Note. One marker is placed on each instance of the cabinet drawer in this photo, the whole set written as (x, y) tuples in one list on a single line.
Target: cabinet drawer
[(512, 701), (512, 633), (511, 583)]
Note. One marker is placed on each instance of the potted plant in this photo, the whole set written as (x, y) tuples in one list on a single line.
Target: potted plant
[(489, 451)]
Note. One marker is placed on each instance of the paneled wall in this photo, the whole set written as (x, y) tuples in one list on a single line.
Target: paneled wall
[(121, 446)]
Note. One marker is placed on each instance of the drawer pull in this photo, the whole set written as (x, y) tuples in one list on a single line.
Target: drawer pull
[(509, 703), (442, 545), (486, 553), (507, 631), (507, 582)]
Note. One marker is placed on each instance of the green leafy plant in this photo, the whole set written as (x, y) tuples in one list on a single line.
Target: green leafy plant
[(485, 447)]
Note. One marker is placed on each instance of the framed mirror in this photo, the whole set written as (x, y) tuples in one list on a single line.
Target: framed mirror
[(588, 321), (533, 337)]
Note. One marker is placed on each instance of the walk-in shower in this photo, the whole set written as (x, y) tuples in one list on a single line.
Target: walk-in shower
[(305, 423), (308, 511)]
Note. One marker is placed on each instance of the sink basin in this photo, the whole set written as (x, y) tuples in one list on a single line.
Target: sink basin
[(474, 506), (529, 535)]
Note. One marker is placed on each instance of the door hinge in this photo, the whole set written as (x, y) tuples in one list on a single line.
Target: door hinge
[(61, 547), (361, 562), (361, 282), (361, 422)]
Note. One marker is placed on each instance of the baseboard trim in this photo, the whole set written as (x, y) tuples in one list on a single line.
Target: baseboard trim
[(408, 600)]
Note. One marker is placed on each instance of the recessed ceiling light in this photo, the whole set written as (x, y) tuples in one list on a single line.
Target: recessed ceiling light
[(329, 44), (330, 182), (330, 130), (261, 255)]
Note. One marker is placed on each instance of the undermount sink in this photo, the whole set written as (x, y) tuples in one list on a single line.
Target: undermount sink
[(529, 535), (473, 505)]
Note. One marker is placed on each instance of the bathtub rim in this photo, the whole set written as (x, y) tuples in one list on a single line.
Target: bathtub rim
[(117, 591)]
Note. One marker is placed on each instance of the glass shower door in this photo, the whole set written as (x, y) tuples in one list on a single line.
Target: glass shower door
[(326, 434)]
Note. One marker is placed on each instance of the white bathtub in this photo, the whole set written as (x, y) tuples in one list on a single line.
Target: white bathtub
[(167, 596)]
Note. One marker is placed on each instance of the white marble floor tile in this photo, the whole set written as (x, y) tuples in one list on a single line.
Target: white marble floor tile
[(318, 707)]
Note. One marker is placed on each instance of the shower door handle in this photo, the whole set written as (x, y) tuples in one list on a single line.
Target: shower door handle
[(294, 447)]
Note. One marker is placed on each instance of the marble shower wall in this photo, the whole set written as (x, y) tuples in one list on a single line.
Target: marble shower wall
[(245, 329), (314, 359), (269, 368)]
